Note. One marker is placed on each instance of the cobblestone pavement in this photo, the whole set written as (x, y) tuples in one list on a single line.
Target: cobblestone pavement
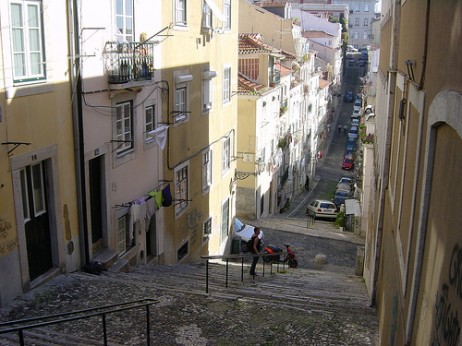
[(314, 304)]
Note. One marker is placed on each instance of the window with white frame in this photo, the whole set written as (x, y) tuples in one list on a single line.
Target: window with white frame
[(181, 188), (124, 20), (124, 138), (227, 84), (207, 90), (207, 229), (227, 14), (206, 170), (181, 102), (224, 219), (180, 12), (357, 22), (226, 159), (149, 122), (365, 35), (355, 35), (27, 41), (366, 7), (366, 22), (206, 16)]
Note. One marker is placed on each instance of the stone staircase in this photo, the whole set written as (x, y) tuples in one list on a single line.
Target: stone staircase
[(179, 291)]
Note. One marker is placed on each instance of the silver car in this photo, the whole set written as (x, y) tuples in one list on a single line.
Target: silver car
[(321, 209)]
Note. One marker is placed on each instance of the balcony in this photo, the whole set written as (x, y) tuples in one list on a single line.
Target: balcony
[(129, 64), (275, 78)]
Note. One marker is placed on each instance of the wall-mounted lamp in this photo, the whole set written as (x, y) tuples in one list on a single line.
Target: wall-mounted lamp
[(402, 103), (402, 108), (410, 69)]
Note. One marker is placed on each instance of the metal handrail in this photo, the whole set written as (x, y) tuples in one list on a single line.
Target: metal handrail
[(241, 257), (86, 313)]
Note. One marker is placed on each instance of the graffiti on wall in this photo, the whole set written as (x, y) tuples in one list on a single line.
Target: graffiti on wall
[(192, 227), (6, 246), (448, 301)]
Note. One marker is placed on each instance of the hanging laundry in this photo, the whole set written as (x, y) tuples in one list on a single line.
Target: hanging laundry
[(157, 195), (166, 196)]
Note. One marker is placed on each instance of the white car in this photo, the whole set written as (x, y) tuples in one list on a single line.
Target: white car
[(244, 232), (355, 122), (322, 209)]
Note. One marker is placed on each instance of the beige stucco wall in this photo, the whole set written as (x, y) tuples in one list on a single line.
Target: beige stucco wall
[(418, 293)]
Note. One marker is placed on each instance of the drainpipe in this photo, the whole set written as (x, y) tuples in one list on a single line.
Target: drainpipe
[(76, 93)]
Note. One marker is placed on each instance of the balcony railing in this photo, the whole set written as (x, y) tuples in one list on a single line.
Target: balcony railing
[(130, 61)]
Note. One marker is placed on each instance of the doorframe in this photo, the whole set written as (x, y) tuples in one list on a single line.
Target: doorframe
[(48, 156), (109, 241)]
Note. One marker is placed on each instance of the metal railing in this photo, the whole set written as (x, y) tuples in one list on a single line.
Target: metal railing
[(129, 61), (19, 326), (241, 257)]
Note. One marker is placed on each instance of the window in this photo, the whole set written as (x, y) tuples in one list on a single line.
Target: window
[(124, 127), (355, 35), (227, 14), (224, 219), (124, 20), (207, 90), (125, 238), (366, 7), (180, 112), (357, 22), (181, 188), (249, 68), (226, 84), (207, 229), (180, 12), (182, 251), (149, 122), (226, 159), (27, 41), (206, 170), (206, 17), (366, 22)]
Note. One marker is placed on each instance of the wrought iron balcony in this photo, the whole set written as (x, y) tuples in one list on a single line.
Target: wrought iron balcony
[(129, 62)]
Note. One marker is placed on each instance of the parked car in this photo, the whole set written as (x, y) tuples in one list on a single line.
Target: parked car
[(348, 97), (244, 232), (322, 209), (344, 187), (353, 133), (355, 122), (340, 196), (351, 145), (351, 48), (356, 114), (344, 181), (347, 163)]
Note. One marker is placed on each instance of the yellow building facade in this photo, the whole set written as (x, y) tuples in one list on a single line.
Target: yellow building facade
[(39, 235), (199, 65)]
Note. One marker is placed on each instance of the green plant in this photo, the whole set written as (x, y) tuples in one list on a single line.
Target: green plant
[(340, 219)]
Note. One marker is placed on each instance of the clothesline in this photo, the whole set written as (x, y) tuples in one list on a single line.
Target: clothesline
[(162, 197)]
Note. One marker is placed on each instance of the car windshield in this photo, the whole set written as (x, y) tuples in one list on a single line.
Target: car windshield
[(342, 194), (327, 206)]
